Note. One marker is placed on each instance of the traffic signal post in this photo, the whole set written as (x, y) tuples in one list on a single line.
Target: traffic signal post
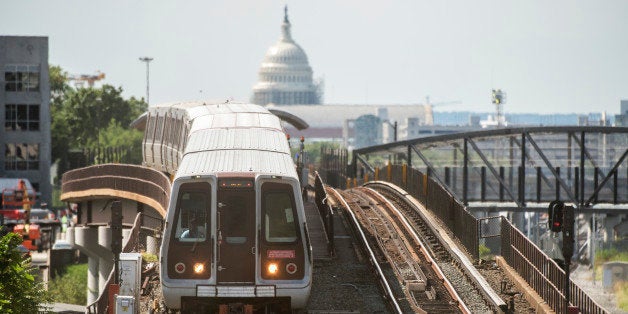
[(561, 218)]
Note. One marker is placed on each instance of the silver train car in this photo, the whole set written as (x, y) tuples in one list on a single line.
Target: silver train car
[(235, 237)]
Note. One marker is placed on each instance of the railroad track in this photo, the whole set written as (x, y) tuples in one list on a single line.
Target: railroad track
[(424, 285), (389, 295), (471, 286)]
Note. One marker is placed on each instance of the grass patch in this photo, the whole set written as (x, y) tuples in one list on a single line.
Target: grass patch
[(621, 293), (621, 288), (71, 286)]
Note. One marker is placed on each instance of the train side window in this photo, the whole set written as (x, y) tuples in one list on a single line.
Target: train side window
[(279, 216), (192, 212)]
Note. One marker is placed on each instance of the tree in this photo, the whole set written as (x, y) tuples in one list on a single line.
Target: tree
[(19, 292), (81, 117)]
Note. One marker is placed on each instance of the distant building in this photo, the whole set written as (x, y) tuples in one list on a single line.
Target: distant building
[(338, 122), (285, 76), (622, 118), (25, 114)]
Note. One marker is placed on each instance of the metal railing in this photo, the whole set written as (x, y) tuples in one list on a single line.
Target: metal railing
[(326, 213), (132, 245), (542, 273), (436, 199), (333, 166)]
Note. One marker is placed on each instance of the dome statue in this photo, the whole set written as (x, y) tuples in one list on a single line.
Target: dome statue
[(285, 76)]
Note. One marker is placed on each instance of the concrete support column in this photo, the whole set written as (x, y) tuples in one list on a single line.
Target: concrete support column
[(106, 258), (84, 240), (151, 245), (126, 233), (70, 236), (92, 279)]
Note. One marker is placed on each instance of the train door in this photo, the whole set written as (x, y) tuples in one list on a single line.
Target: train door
[(236, 232)]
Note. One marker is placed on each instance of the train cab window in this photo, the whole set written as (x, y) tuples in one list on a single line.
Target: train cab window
[(192, 213), (279, 216)]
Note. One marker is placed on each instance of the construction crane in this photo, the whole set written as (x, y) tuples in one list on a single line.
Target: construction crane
[(80, 79)]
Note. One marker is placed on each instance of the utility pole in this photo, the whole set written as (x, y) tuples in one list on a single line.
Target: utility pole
[(147, 60)]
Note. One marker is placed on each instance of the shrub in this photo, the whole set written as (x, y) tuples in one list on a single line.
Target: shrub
[(19, 291)]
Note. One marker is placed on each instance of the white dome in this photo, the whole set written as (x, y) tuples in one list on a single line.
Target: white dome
[(285, 76)]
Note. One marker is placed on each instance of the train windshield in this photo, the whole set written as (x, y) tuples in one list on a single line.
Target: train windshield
[(279, 213), (192, 218)]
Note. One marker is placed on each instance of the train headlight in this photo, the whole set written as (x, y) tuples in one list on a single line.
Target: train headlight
[(273, 268), (199, 268)]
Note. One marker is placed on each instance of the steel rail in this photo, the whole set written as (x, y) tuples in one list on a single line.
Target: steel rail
[(382, 278), (422, 248), (476, 278)]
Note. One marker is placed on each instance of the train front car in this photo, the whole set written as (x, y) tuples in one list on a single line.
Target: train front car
[(236, 237)]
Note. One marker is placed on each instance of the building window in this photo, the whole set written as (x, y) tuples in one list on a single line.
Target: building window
[(21, 117), (21, 78), (21, 156)]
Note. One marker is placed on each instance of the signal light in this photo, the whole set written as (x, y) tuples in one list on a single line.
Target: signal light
[(555, 216)]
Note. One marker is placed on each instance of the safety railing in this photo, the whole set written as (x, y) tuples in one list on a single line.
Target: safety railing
[(326, 213), (543, 274), (436, 199), (132, 245)]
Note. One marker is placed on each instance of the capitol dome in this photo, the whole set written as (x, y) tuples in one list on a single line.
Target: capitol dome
[(285, 76)]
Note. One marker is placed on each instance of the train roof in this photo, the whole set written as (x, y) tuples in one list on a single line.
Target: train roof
[(233, 137)]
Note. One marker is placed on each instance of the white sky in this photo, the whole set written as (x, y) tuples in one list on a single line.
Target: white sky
[(548, 56)]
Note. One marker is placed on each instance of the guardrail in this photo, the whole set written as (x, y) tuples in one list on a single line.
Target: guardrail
[(437, 199), (326, 213), (542, 273), (132, 245)]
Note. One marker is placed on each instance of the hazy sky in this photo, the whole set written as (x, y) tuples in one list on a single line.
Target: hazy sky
[(548, 56)]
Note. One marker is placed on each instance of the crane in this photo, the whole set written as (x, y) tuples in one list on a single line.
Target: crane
[(81, 79)]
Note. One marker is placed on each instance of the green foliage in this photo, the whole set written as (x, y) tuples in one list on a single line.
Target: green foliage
[(485, 252), (149, 258), (90, 118), (71, 286), (610, 255), (621, 288), (19, 291)]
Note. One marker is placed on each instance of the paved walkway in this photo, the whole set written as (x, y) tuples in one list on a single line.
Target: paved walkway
[(583, 277)]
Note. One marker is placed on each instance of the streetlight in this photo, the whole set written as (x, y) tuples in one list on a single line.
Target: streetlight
[(147, 60), (394, 126)]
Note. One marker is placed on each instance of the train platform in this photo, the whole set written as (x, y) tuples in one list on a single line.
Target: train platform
[(318, 238)]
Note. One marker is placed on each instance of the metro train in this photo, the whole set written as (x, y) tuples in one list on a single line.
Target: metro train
[(235, 237)]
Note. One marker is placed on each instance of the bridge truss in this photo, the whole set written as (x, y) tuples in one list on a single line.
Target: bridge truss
[(518, 169)]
